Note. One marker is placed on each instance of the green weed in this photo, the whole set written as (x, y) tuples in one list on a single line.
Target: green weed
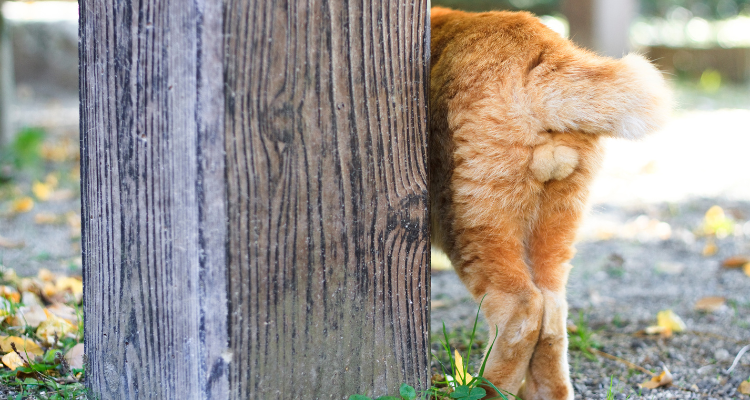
[(23, 153), (583, 338), (461, 385)]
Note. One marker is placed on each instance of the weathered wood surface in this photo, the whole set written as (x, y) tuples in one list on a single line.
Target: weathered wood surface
[(327, 197), (153, 202)]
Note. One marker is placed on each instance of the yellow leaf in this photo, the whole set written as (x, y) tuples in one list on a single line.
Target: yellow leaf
[(709, 304), (22, 205), (41, 190), (12, 360), (53, 326), (717, 223), (439, 261), (462, 377), (74, 285), (663, 379), (22, 344), (669, 320), (746, 269), (745, 387)]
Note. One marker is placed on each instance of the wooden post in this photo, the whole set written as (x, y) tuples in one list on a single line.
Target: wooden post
[(327, 193), (153, 204), (254, 199)]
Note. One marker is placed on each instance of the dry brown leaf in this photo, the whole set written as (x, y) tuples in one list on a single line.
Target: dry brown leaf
[(745, 387), (661, 380), (74, 356), (12, 360), (46, 219), (22, 344), (735, 262), (709, 304), (61, 195), (32, 316), (53, 329), (11, 244), (65, 312)]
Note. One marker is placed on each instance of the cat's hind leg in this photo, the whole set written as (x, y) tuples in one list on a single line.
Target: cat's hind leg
[(489, 256), (550, 247)]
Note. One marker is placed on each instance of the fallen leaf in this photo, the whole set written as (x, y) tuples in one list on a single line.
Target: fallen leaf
[(10, 244), (46, 275), (710, 249), (61, 195), (658, 330), (669, 320), (10, 293), (670, 268), (41, 190), (32, 316), (661, 380), (735, 262), (72, 285), (46, 219), (745, 387), (53, 327), (746, 269), (717, 223), (74, 356), (709, 304), (65, 312), (22, 344), (462, 377), (13, 360), (22, 205)]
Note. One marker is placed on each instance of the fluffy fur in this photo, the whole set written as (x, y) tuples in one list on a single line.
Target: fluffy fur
[(517, 113)]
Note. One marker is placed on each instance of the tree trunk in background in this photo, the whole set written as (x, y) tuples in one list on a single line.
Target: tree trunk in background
[(254, 222), (6, 81), (601, 25), (326, 180)]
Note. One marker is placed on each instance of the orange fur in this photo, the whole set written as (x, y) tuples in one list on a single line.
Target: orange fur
[(517, 113)]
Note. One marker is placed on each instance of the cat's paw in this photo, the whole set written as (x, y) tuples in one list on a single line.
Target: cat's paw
[(551, 161)]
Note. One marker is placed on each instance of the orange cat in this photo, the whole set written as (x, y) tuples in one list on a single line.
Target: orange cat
[(517, 113)]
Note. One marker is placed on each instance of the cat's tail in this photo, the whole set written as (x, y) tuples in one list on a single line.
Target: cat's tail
[(625, 98)]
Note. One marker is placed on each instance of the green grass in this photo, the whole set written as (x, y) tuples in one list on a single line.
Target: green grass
[(457, 382), (582, 339)]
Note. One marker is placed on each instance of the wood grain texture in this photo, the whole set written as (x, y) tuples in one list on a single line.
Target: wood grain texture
[(153, 199), (327, 197)]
